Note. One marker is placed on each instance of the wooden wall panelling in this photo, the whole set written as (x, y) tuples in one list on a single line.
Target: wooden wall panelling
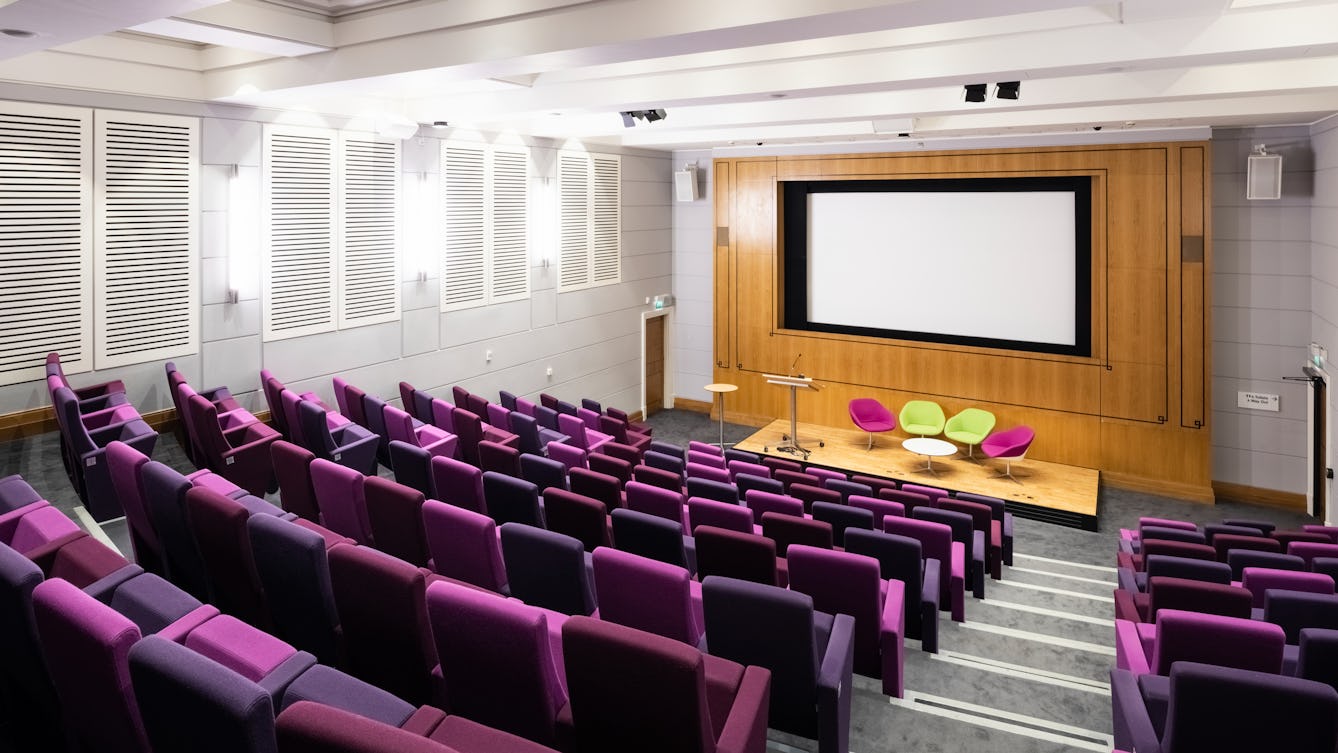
[(1193, 277), (755, 265), (723, 174)]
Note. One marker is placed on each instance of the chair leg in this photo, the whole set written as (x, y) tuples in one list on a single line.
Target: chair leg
[(1008, 472), (870, 447)]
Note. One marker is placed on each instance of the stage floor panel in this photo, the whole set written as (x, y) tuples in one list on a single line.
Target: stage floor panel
[(1053, 492)]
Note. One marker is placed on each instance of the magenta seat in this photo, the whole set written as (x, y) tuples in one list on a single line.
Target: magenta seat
[(1009, 445), (871, 416)]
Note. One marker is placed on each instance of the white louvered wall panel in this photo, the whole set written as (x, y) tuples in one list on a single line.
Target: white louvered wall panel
[(464, 263), (574, 225), (606, 219), (509, 184), (298, 231), (46, 239), (146, 253), (369, 204)]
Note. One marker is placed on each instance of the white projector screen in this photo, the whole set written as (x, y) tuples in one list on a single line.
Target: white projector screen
[(996, 267)]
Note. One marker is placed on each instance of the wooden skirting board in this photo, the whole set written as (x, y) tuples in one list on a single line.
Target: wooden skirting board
[(1047, 491), (1255, 496), (30, 423)]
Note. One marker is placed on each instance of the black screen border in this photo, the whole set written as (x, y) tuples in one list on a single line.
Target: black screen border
[(794, 196)]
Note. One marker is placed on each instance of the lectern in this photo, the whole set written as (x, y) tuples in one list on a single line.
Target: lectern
[(795, 383)]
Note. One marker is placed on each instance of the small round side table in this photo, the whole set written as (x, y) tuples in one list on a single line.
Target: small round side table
[(720, 388)]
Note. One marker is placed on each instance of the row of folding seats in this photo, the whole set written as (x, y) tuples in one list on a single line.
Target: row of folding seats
[(222, 436), (88, 418), (1228, 613)]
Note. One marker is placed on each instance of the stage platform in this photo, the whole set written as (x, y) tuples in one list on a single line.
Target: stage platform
[(1061, 494)]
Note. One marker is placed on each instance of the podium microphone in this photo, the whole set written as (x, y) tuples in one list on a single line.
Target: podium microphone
[(796, 363)]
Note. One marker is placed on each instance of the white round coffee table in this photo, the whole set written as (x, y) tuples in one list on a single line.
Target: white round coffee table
[(930, 448)]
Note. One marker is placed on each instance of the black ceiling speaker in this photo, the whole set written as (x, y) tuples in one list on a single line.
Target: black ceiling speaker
[(975, 92), (1008, 89)]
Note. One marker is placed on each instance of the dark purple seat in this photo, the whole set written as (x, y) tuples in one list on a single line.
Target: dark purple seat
[(907, 499), (547, 569), (658, 477), (614, 467), (735, 555), (87, 447), (649, 595), (746, 482), (1317, 658), (596, 485), (511, 500), (499, 458), (813, 492), (900, 558), (497, 661), (463, 545), (34, 711), (16, 493), (165, 497), (628, 687), (879, 508), (667, 448), (965, 533), (545, 473), (219, 526), (578, 516), (847, 488), (242, 455), (413, 466), (1224, 543), (1296, 610), (374, 410), (776, 464), (292, 469), (383, 617), (810, 654), (458, 483), (841, 518), (531, 437), (294, 571), (349, 444), (760, 503), (786, 530), (936, 543), (651, 536), (665, 462), (395, 514), (717, 490), (124, 463)]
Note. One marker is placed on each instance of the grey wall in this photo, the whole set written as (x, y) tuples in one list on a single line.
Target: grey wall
[(590, 338), (694, 255), (1261, 310), (1324, 250)]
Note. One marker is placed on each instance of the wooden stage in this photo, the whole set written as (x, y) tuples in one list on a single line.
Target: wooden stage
[(1051, 492)]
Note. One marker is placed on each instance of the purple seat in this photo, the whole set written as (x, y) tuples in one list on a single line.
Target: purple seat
[(668, 448), (341, 496), (400, 426), (1257, 580), (383, 616), (124, 463), (499, 458), (1309, 550), (499, 416), (1159, 565), (458, 483), (776, 464), (841, 518), (908, 500), (219, 526), (733, 554), (651, 536), (307, 727), (1001, 516), (497, 661), (1284, 713), (791, 477), (936, 542), (242, 456), (747, 482), (1317, 658), (87, 646), (963, 531), (525, 406), (165, 494), (876, 483), (648, 595), (711, 512), (1212, 529), (349, 444), (982, 521), (1189, 595), (847, 489), (464, 546), (35, 710), (665, 479), (600, 486), (589, 417), (294, 571), (623, 434), (579, 516), (292, 470), (188, 702), (871, 416), (1287, 538), (1225, 543), (471, 430), (1204, 638), (608, 465), (1150, 533), (627, 687), (395, 516), (1243, 558), (87, 448), (638, 427), (760, 502), (708, 472), (511, 500), (1296, 610), (664, 462), (413, 466), (786, 530), (531, 437), (349, 400), (810, 654), (706, 447), (374, 409), (847, 583), (707, 459), (811, 493), (1329, 532), (570, 456), (507, 399), (16, 493), (545, 473), (901, 558), (1010, 446), (581, 436), (880, 508), (546, 569), (717, 490)]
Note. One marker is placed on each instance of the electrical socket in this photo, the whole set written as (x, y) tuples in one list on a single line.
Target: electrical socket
[(487, 355), (549, 371)]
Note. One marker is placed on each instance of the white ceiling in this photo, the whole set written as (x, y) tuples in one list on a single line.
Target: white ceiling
[(779, 72)]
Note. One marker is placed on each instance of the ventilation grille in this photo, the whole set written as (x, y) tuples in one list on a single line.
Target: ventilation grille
[(146, 289), (299, 269), (591, 226), (510, 226), (464, 266), (574, 248), (607, 221), (370, 285), (45, 240)]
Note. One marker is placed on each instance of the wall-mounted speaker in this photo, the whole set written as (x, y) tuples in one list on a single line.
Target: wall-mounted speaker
[(1263, 175), (685, 184)]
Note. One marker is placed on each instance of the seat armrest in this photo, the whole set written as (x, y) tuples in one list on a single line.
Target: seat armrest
[(957, 568), (1126, 545), (105, 587), (1129, 652), (283, 675), (1124, 606), (891, 635), (1125, 577), (745, 730), (1130, 719), (930, 586), (834, 685)]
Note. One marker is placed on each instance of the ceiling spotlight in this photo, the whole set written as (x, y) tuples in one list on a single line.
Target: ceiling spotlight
[(440, 124), (975, 92), (630, 117), (1007, 89), (654, 115)]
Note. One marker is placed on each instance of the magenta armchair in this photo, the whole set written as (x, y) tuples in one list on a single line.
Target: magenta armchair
[(1008, 446), (871, 416)]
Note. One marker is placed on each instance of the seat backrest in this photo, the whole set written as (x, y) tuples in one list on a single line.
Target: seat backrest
[(823, 475), (868, 409), (511, 500), (1257, 580), (1224, 543), (458, 483), (960, 523), (406, 399), (1145, 521), (507, 399), (292, 467), (735, 555), (667, 448), (399, 425), (789, 529), (908, 500), (543, 472), (570, 456), (576, 515), (1294, 610), (935, 538), (500, 458), (971, 420), (413, 466), (921, 412), (811, 493), (697, 470), (165, 495), (787, 645), (1240, 559), (219, 526), (842, 517), (600, 486), (496, 661), (1317, 658), (315, 429), (499, 416), (463, 545), (980, 514), (646, 594), (476, 404), (272, 389), (460, 396), (746, 482), (394, 513), (847, 488), (383, 617), (124, 462), (21, 662), (605, 463), (87, 647), (295, 573), (761, 502), (737, 467), (627, 686), (1180, 549), (289, 400), (546, 569), (526, 428), (341, 498), (1172, 534), (710, 512), (843, 583), (778, 464), (649, 536), (547, 417), (664, 479), (1299, 713), (1214, 639), (665, 462), (1212, 529), (574, 428), (1157, 565), (1197, 596), (899, 558), (590, 417), (357, 406), (190, 702), (1309, 550), (374, 409), (717, 490), (880, 508)]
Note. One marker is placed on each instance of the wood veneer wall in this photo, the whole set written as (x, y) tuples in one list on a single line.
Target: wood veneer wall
[(1137, 409)]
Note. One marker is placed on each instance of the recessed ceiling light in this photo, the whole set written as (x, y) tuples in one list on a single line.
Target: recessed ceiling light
[(18, 33), (778, 95)]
